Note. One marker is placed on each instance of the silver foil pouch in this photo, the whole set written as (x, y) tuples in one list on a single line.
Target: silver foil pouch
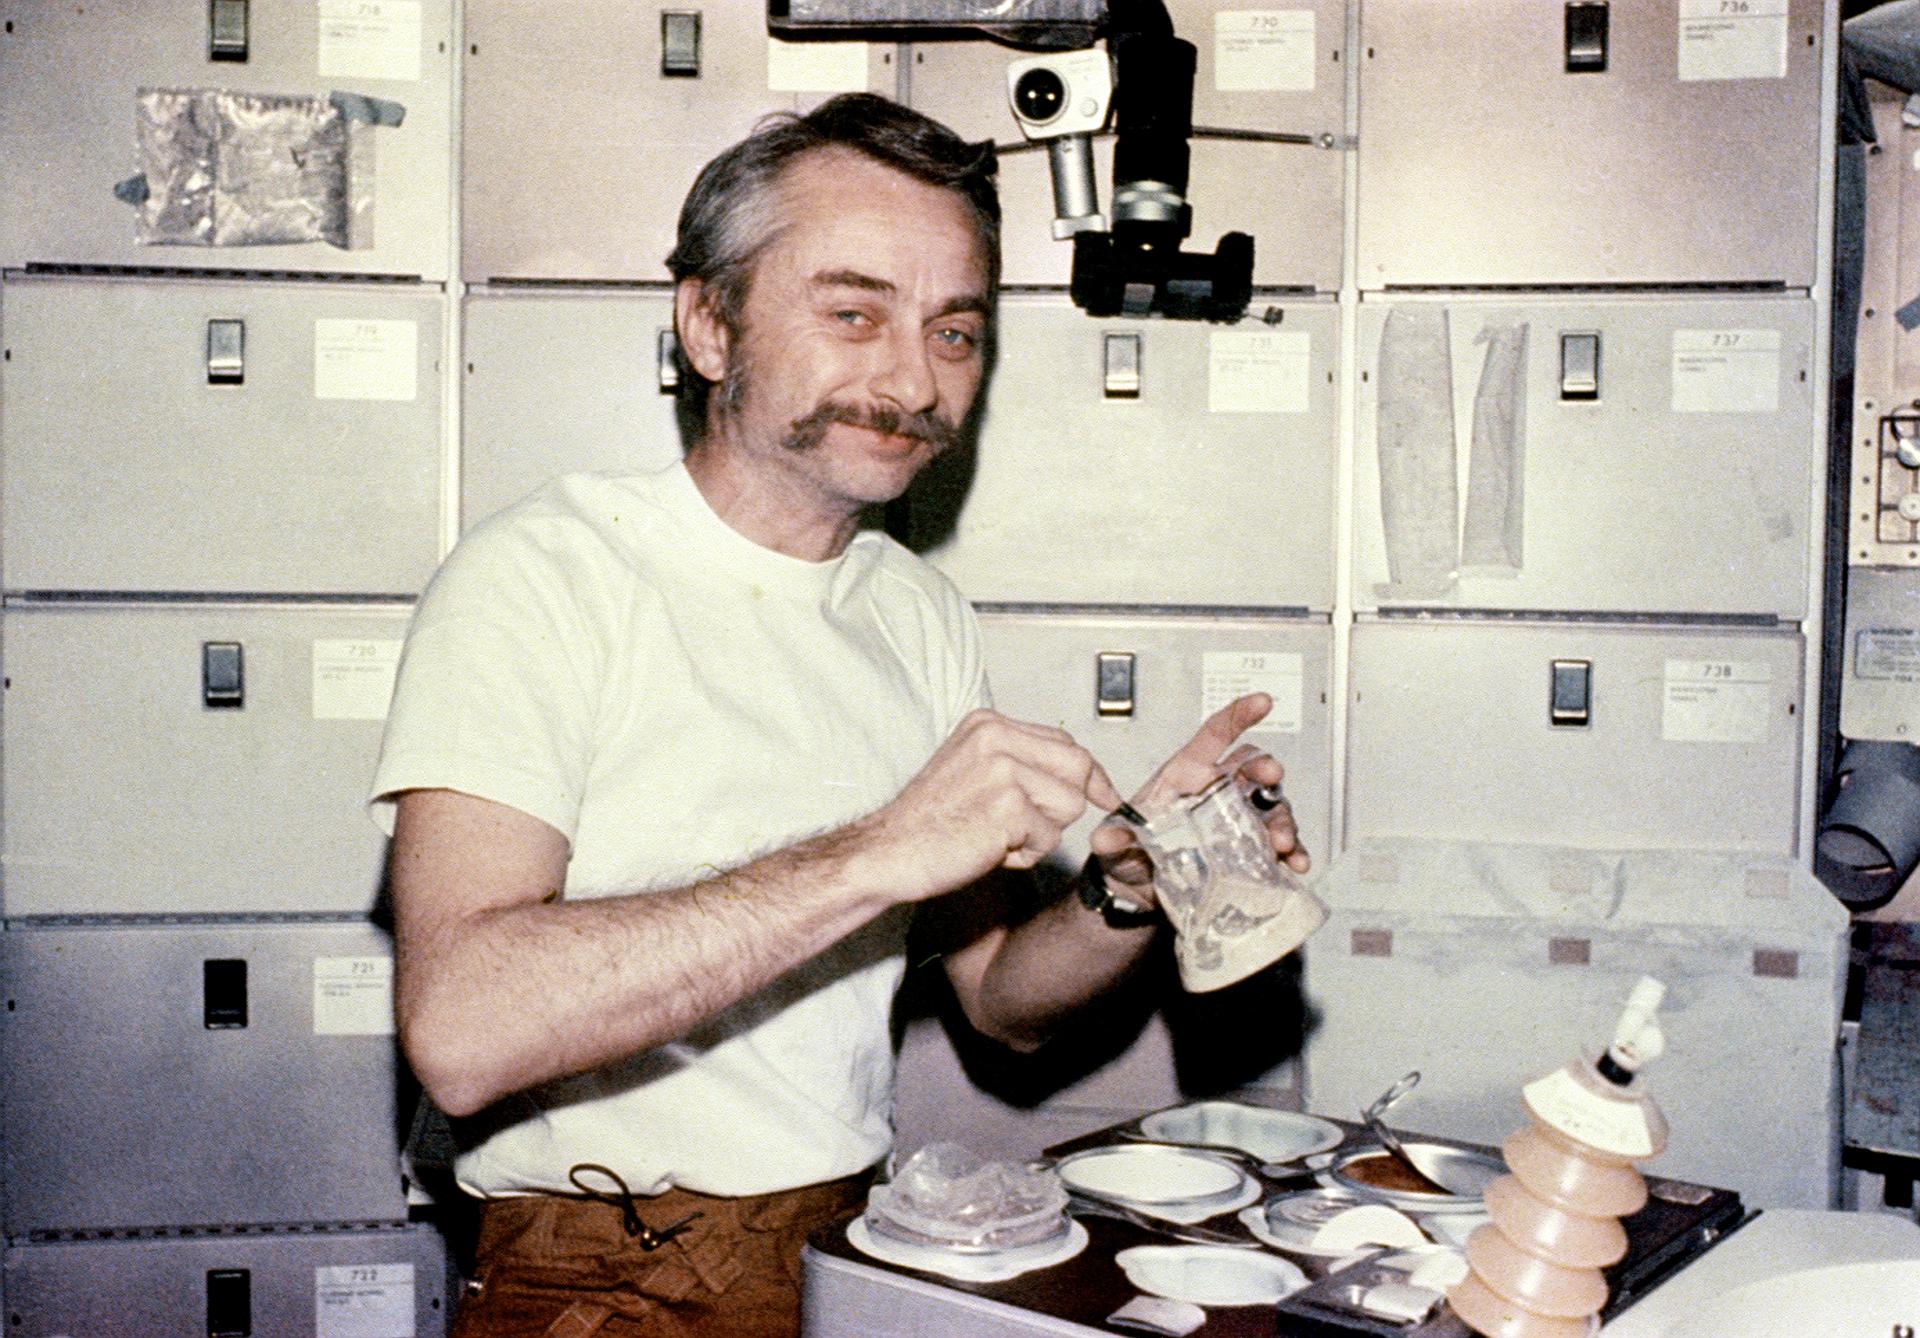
[(221, 168)]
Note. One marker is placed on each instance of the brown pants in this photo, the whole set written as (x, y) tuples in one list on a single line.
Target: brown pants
[(560, 1267)]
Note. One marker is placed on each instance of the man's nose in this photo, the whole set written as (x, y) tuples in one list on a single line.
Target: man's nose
[(905, 376)]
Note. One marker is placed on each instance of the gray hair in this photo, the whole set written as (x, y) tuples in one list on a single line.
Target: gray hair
[(732, 213)]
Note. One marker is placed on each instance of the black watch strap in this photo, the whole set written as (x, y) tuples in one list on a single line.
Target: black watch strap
[(1117, 912)]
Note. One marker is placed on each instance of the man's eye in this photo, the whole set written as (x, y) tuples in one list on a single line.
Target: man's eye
[(851, 317), (956, 340)]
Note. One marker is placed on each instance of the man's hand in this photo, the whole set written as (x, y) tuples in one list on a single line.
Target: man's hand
[(997, 794), (1190, 770)]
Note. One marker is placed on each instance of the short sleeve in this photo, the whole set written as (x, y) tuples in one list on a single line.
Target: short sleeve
[(499, 679)]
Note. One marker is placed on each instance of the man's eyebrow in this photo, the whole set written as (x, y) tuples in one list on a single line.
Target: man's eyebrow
[(853, 278), (973, 302)]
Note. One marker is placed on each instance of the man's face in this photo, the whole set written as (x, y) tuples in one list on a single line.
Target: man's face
[(862, 340)]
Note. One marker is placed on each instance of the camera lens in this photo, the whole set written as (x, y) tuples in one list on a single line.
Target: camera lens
[(1039, 95)]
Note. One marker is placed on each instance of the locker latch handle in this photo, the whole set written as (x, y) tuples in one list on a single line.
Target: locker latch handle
[(227, 30), (1113, 683), (1586, 36), (229, 1303), (1580, 365), (1120, 371), (666, 354), (680, 43), (1570, 704), (223, 678), (226, 352), (223, 993)]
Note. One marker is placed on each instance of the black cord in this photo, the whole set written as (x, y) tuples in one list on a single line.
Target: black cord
[(1199, 132), (648, 1238)]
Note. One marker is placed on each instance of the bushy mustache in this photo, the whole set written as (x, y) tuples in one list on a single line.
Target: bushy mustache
[(805, 432)]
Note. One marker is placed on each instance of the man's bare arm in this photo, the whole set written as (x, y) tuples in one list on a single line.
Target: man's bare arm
[(500, 986)]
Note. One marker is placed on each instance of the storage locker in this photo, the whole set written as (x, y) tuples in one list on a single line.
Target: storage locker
[(1486, 967), (1575, 734), (220, 437), (1268, 71), (188, 1075), (1163, 676), (194, 759), (1508, 143), (563, 381), (332, 1284), (1633, 455), (1132, 687), (585, 124), (68, 125), (1144, 462)]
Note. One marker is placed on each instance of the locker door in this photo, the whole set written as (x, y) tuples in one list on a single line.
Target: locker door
[(1692, 156), (141, 781), (323, 1284), (579, 144), (1213, 484), (299, 455), (558, 382), (67, 122), (1650, 454), (199, 1075), (1274, 71), (1692, 736), (1043, 668)]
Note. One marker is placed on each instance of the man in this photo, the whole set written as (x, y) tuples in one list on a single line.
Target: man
[(672, 757)]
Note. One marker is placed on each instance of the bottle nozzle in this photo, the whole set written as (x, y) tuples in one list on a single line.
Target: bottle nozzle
[(1637, 1037)]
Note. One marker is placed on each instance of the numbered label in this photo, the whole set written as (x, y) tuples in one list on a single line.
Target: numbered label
[(353, 680), (1716, 701), (366, 360), (370, 39), (1225, 675), (1264, 51), (1259, 371), (1726, 371), (1732, 39), (363, 1301), (353, 996)]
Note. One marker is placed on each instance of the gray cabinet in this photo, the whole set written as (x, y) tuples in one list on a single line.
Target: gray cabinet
[(67, 125), (193, 759), (220, 438), (1492, 153), (197, 1075)]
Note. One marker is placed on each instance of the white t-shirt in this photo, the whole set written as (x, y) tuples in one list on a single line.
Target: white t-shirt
[(614, 659)]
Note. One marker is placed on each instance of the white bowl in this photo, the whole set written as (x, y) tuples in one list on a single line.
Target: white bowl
[(1210, 1274), (1270, 1135), (1143, 1173)]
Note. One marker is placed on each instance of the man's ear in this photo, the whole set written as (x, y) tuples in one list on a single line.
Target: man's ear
[(702, 334)]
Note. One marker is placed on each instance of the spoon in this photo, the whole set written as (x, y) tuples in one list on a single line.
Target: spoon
[(1272, 1170), (1089, 1205), (1372, 1115)]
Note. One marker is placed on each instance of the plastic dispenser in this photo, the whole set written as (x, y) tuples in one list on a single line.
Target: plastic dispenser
[(1534, 1272)]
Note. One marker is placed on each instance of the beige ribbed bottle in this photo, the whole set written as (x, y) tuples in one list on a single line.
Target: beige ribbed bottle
[(1535, 1271)]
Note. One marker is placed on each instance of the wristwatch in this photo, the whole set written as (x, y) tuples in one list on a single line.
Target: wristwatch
[(1118, 912)]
